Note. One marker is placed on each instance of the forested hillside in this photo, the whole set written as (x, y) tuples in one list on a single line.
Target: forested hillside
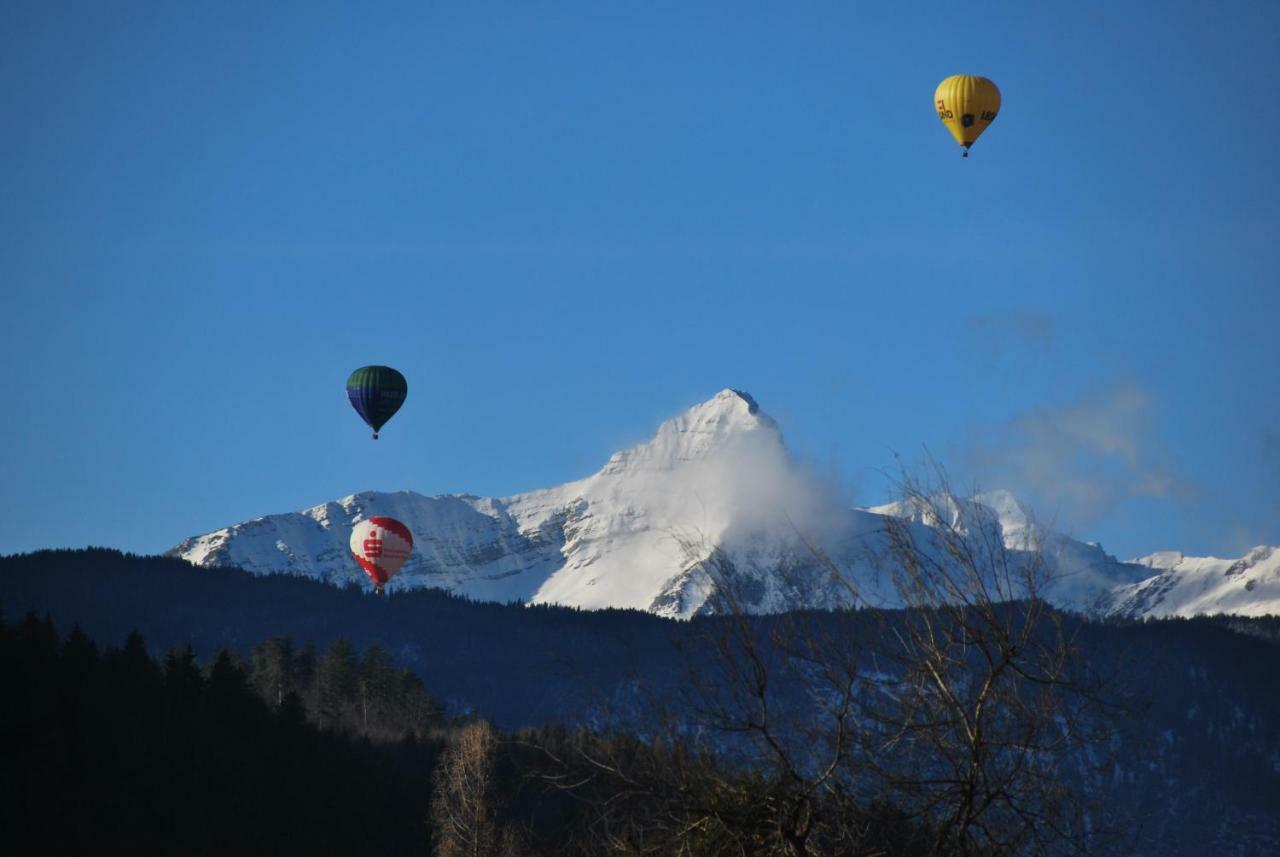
[(174, 756), (1179, 757), (515, 665), (336, 753)]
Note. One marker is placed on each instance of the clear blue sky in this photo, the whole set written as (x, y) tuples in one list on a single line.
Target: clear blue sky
[(568, 222)]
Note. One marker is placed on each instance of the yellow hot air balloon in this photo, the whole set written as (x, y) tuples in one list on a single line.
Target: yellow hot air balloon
[(967, 105)]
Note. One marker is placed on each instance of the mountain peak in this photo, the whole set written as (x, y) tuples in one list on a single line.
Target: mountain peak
[(700, 433), (713, 481), (728, 403), (729, 392), (1012, 516)]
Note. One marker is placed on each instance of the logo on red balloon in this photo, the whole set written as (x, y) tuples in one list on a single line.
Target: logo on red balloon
[(381, 545)]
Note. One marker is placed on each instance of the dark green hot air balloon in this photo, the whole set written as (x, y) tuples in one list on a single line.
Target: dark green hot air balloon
[(376, 392)]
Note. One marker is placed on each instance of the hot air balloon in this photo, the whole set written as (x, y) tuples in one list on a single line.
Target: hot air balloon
[(376, 392), (967, 105), (381, 545)]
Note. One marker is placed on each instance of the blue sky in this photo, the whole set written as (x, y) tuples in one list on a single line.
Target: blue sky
[(568, 222)]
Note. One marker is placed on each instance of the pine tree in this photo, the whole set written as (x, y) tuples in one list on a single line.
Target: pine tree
[(228, 692), (377, 690), (419, 712), (79, 656), (39, 639), (274, 671), (336, 684)]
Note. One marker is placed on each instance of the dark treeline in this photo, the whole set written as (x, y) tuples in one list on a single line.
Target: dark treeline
[(1190, 767), (515, 665), (336, 752), (343, 689), (112, 747)]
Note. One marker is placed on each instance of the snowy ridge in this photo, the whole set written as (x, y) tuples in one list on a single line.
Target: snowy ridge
[(618, 527), (1190, 586), (638, 534)]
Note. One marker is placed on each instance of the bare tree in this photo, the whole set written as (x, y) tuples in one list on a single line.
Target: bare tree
[(979, 703), (955, 717), (463, 803)]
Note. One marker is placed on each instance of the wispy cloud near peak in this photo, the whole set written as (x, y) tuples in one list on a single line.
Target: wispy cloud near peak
[(1077, 461)]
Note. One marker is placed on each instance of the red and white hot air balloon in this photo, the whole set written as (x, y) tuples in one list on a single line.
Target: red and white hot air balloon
[(381, 545)]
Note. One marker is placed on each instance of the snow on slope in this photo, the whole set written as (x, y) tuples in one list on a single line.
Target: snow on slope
[(1190, 586), (621, 538), (1082, 573), (639, 533), (469, 544)]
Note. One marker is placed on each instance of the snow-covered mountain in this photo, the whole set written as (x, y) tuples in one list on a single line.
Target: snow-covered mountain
[(1190, 586), (714, 481)]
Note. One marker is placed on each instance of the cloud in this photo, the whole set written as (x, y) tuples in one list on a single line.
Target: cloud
[(748, 483), (1078, 461)]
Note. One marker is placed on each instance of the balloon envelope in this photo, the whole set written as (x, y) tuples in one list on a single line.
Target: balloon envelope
[(967, 104), (376, 392), (381, 545)]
